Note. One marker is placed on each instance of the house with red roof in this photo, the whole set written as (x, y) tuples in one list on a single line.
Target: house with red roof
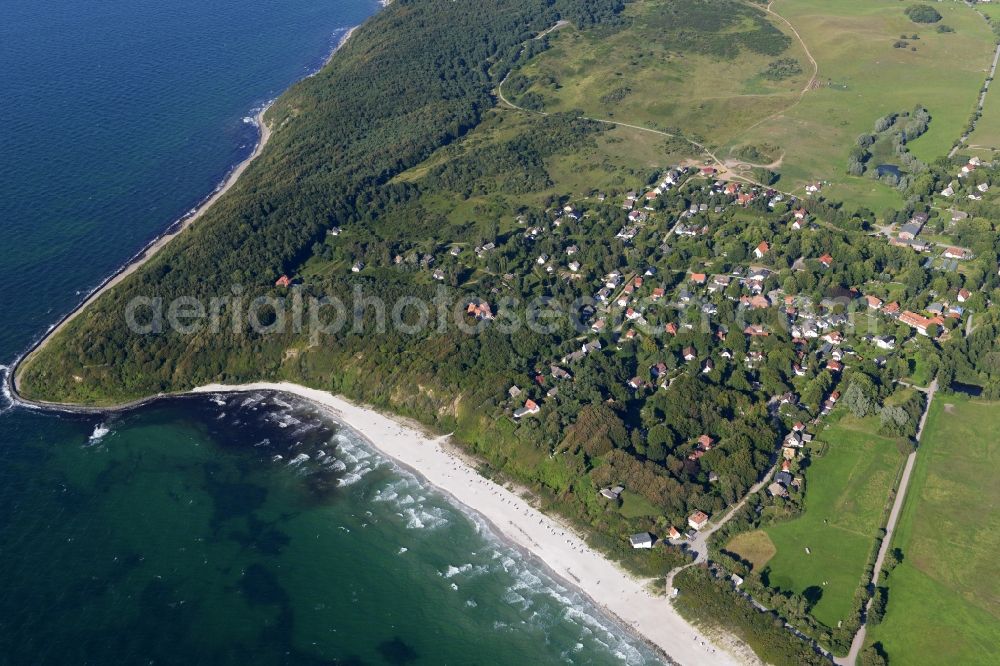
[(956, 253), (530, 407), (761, 250), (481, 310), (697, 520), (916, 321)]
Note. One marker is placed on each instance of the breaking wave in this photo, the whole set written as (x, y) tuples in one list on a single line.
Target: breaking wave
[(100, 432), (303, 439)]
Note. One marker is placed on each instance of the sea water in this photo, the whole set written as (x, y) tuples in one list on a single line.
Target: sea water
[(252, 529), (244, 529)]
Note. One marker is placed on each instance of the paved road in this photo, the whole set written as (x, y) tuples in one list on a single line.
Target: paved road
[(699, 545), (859, 638)]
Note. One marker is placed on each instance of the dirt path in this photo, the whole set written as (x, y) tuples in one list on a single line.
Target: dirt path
[(812, 79), (897, 506), (697, 145), (719, 164), (982, 98)]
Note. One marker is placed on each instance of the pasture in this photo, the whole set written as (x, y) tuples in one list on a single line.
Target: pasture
[(847, 491), (754, 547), (862, 76), (944, 598)]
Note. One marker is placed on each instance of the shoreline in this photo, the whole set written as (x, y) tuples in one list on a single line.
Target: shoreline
[(174, 229), (151, 249), (625, 599)]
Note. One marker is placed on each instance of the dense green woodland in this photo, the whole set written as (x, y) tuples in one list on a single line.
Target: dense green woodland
[(400, 131)]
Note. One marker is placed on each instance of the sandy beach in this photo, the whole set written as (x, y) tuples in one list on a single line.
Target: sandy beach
[(626, 598)]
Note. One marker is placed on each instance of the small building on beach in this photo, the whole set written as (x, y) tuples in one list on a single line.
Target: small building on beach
[(642, 540)]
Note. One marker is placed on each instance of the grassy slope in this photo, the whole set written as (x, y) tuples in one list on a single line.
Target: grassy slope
[(712, 97), (621, 157), (847, 491), (852, 42), (944, 599)]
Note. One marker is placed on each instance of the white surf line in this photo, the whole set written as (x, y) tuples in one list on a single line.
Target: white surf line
[(624, 598)]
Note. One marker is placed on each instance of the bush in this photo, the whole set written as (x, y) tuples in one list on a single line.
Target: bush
[(783, 68), (708, 599), (923, 14), (873, 655), (616, 95), (879, 602)]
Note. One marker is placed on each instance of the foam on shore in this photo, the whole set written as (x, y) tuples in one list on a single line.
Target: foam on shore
[(625, 598)]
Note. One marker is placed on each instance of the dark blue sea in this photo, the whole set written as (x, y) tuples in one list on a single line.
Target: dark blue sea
[(193, 531)]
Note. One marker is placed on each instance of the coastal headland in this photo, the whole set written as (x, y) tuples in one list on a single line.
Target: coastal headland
[(640, 609)]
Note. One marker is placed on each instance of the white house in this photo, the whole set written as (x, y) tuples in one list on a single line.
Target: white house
[(642, 540), (697, 520)]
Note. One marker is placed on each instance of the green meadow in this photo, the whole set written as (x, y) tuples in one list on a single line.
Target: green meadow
[(862, 77), (734, 79), (944, 598), (984, 142), (849, 481), (754, 547), (675, 65)]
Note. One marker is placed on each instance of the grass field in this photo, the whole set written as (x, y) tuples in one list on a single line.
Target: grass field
[(635, 505), (620, 159), (754, 547), (984, 142), (650, 75), (862, 77), (944, 599), (656, 73), (846, 494)]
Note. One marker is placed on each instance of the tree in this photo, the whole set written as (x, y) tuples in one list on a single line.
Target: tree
[(922, 14), (879, 602), (892, 560), (894, 419), (597, 430), (873, 655), (859, 397)]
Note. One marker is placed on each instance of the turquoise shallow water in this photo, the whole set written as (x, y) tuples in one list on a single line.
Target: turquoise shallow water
[(251, 529), (192, 531)]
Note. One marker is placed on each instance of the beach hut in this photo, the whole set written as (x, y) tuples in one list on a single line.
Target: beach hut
[(642, 540)]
